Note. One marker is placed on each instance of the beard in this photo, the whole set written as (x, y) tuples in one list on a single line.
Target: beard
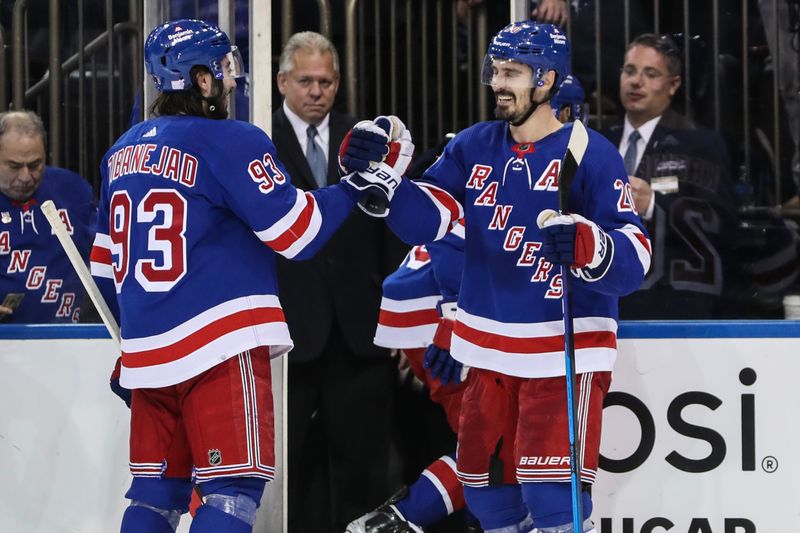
[(509, 113)]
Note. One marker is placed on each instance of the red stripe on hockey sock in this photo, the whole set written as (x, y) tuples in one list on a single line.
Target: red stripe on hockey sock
[(297, 229), (444, 472), (408, 319), (524, 345), (201, 337)]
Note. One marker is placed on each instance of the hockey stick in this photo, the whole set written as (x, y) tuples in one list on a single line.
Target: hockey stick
[(74, 256), (576, 147)]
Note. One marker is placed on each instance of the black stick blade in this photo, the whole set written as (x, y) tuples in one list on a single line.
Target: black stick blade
[(576, 147)]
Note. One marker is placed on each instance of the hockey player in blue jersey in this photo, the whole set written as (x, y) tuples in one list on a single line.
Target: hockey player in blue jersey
[(415, 299), (502, 176), (37, 282), (193, 210)]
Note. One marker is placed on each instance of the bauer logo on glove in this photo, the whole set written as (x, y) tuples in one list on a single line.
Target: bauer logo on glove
[(377, 154), (384, 172)]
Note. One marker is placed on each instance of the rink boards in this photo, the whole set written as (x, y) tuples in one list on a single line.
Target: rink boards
[(701, 430)]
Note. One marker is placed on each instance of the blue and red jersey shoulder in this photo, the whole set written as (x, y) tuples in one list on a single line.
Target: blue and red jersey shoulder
[(32, 261), (192, 211)]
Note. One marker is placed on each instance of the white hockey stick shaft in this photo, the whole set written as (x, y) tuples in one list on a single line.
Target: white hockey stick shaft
[(51, 213)]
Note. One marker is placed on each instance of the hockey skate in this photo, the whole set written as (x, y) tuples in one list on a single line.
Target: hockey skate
[(385, 519)]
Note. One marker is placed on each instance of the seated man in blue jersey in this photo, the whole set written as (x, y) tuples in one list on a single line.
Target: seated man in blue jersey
[(37, 281)]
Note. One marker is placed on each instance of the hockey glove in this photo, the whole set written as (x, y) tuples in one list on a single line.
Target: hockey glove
[(119, 390), (401, 148), (438, 361), (365, 143), (358, 153), (379, 181), (575, 241)]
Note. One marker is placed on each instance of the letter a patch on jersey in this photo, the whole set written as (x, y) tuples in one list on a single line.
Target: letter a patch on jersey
[(548, 181)]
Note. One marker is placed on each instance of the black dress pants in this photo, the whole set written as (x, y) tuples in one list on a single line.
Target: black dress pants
[(339, 416)]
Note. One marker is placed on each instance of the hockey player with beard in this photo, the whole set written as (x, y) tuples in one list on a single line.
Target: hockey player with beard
[(502, 176), (193, 210), (417, 312)]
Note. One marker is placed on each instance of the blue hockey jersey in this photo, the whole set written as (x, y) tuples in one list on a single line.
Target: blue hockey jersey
[(32, 261), (409, 315), (192, 212), (510, 315)]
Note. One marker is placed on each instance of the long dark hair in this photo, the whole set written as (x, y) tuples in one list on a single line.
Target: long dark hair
[(191, 101)]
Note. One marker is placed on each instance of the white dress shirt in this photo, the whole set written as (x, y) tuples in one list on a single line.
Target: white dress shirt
[(645, 132), (300, 126)]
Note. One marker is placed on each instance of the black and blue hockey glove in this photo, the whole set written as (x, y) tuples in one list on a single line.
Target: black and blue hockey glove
[(438, 361), (119, 390)]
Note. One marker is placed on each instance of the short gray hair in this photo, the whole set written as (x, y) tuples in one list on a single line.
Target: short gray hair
[(25, 122), (306, 40)]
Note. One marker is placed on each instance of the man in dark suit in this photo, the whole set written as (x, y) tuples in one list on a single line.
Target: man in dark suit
[(340, 384), (681, 186)]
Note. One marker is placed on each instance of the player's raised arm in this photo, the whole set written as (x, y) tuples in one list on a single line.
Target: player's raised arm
[(417, 211), (258, 188)]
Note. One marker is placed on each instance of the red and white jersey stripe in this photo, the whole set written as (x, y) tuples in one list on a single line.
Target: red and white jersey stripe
[(407, 323), (533, 349), (296, 229), (640, 242), (100, 257), (450, 211), (205, 340)]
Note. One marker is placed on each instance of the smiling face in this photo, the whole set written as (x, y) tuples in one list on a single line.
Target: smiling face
[(646, 86), (22, 161), (511, 83), (309, 88)]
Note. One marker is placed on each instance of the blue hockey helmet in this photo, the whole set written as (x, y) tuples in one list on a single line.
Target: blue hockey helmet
[(570, 93), (543, 47), (173, 48)]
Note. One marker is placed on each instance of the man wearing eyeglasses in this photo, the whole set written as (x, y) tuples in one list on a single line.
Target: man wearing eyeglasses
[(683, 189)]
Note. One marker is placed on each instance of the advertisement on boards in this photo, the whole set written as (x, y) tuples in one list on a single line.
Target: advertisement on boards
[(701, 436)]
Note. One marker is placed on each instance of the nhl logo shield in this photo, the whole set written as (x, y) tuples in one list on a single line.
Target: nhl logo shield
[(214, 457), (6, 217)]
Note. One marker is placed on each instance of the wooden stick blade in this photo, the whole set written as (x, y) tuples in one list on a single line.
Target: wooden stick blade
[(578, 141), (74, 256)]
